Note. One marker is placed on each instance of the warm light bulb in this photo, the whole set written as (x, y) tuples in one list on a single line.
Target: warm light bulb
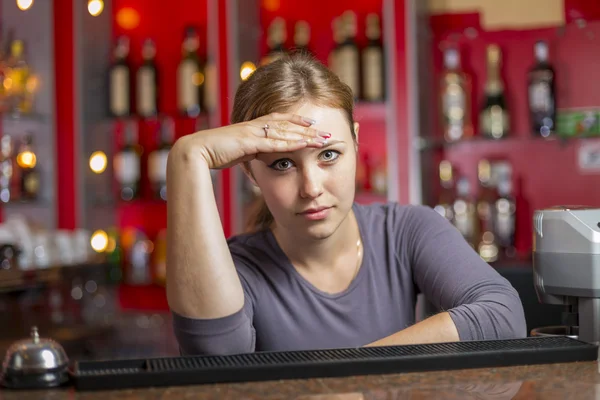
[(24, 4), (99, 241), (26, 159), (98, 162), (95, 7), (247, 69)]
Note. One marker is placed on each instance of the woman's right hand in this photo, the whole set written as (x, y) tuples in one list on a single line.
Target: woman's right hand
[(273, 133)]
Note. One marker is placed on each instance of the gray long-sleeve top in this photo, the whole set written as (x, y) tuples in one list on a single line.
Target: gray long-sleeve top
[(407, 249)]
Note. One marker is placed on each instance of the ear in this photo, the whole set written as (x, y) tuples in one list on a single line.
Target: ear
[(248, 172), (356, 129)]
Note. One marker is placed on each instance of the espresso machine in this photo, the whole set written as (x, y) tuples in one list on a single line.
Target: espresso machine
[(566, 266)]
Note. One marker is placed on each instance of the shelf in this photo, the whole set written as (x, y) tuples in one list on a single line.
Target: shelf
[(17, 279), (27, 203), (423, 144), (17, 118)]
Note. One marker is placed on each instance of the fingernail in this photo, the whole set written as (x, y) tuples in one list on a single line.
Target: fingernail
[(326, 135), (309, 120)]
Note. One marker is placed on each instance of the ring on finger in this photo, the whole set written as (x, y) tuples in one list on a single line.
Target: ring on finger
[(266, 129)]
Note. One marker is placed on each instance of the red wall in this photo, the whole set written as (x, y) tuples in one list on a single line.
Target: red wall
[(546, 171)]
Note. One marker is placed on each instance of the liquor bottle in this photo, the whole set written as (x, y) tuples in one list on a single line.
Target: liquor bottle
[(456, 102), (6, 168), (373, 62), (276, 38), (302, 37), (157, 160), (542, 97), (190, 77), (494, 116), (487, 247), (447, 195), (120, 80), (333, 57), (348, 61), (127, 164), (18, 74), (30, 176), (147, 82), (505, 208), (465, 218)]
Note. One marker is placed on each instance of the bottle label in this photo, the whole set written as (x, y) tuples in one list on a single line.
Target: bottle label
[(146, 91), (187, 91), (540, 97), (373, 69), (454, 106), (127, 167), (119, 91), (31, 182), (157, 166), (347, 66), (495, 122)]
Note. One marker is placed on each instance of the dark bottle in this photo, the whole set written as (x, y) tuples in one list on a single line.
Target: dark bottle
[(147, 82), (276, 38), (190, 76), (30, 175), (157, 160), (494, 117), (120, 80), (348, 59), (302, 37), (373, 62), (127, 164), (541, 88)]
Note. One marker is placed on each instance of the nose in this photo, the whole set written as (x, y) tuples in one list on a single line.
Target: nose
[(311, 185)]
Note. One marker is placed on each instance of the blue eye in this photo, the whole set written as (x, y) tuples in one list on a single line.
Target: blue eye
[(329, 155), (282, 165)]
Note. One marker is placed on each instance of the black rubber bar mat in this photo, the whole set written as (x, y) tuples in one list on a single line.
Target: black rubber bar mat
[(262, 366)]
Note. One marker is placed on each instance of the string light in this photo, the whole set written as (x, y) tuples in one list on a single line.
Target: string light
[(99, 241), (98, 162), (247, 69), (95, 7), (24, 4)]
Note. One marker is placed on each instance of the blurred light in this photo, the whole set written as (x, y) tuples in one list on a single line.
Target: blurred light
[(198, 78), (247, 69), (26, 159), (24, 4), (95, 7), (98, 162), (32, 84), (128, 18), (271, 5), (112, 245), (99, 241)]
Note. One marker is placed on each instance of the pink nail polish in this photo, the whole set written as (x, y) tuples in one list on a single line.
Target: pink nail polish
[(325, 135)]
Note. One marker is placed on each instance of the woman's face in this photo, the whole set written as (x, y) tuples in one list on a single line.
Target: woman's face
[(311, 191)]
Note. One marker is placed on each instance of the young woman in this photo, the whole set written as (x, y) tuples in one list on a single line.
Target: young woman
[(318, 271)]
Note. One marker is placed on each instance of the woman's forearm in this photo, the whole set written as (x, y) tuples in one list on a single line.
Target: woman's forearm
[(436, 329), (202, 281)]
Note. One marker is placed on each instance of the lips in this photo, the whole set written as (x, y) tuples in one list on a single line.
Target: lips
[(314, 210)]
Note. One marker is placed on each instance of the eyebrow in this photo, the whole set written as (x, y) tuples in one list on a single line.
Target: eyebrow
[(332, 142)]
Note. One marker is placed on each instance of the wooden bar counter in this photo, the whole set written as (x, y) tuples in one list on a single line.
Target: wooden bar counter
[(547, 381)]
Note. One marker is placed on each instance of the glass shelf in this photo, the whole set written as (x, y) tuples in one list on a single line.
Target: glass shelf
[(438, 144), (13, 118)]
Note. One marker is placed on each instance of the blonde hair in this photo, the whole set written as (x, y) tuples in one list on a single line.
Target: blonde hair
[(277, 87)]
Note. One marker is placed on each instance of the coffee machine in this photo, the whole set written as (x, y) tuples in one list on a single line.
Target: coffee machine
[(566, 266)]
